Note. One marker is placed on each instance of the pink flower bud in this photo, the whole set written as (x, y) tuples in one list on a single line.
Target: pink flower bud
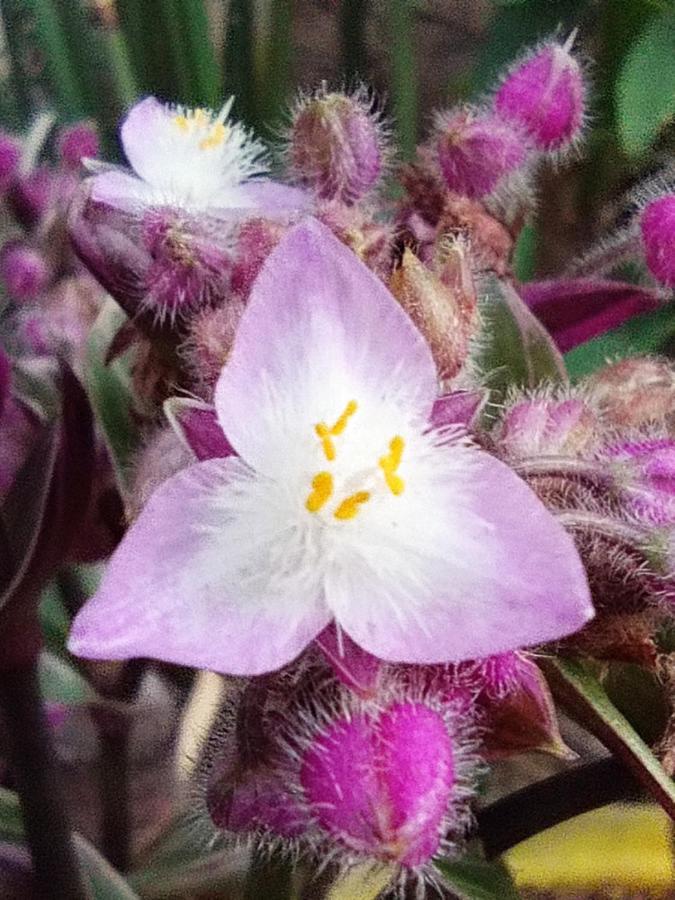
[(210, 338), (634, 392), (33, 195), (77, 142), (24, 271), (256, 240), (383, 784), (189, 269), (544, 94), (5, 381), (476, 149), (657, 225), (644, 474), (545, 426), (10, 154), (336, 145)]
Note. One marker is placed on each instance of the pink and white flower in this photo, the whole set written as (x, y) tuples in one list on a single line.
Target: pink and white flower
[(191, 159), (343, 503)]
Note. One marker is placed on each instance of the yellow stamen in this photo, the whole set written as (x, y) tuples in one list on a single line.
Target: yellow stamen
[(201, 117), (350, 507), (341, 423), (216, 137), (326, 441), (181, 123), (390, 463), (322, 485)]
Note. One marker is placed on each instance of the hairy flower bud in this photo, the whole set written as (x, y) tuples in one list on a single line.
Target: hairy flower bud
[(544, 93), (10, 155), (644, 475), (24, 271), (210, 338), (476, 149), (382, 784), (546, 426), (657, 226), (77, 142), (443, 308), (255, 241), (336, 145), (634, 392)]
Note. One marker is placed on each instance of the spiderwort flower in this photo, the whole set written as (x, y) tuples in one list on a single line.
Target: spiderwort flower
[(193, 159), (343, 503)]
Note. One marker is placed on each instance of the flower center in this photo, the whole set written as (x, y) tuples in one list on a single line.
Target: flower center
[(323, 482), (200, 123)]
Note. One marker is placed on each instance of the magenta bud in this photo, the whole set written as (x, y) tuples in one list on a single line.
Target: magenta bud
[(657, 225), (545, 426), (380, 784), (24, 271), (476, 149), (77, 142), (336, 145), (33, 195), (10, 155), (644, 475), (255, 241), (252, 800), (544, 94)]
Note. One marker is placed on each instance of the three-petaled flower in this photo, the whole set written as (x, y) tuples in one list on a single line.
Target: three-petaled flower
[(343, 502)]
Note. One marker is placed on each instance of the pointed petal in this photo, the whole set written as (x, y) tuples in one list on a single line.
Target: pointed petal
[(319, 330), (175, 589), (146, 134), (122, 190), (497, 573)]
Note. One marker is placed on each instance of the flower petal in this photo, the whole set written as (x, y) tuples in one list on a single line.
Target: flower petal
[(271, 197), (121, 190), (318, 331), (177, 589), (144, 133), (494, 572)]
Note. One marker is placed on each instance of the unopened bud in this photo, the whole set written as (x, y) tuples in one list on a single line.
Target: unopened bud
[(371, 240), (476, 149), (634, 392), (383, 783), (540, 426), (10, 155), (210, 338), (33, 194), (644, 477), (657, 225), (336, 145), (78, 142), (5, 381), (544, 94), (443, 310), (24, 271), (255, 241)]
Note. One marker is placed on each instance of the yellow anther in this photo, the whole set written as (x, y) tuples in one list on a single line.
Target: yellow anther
[(350, 507), (341, 423), (215, 138), (201, 117), (322, 489), (326, 441), (390, 463), (181, 123)]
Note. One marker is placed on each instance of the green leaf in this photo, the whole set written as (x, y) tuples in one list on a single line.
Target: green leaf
[(108, 386), (62, 683), (403, 73), (578, 690), (650, 333), (54, 619), (104, 882), (645, 89), (514, 349), (525, 254), (473, 878), (239, 60)]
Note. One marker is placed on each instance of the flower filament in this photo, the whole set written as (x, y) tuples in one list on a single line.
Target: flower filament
[(322, 483)]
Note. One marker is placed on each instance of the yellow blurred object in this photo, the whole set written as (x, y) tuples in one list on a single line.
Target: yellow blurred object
[(619, 846), (364, 882)]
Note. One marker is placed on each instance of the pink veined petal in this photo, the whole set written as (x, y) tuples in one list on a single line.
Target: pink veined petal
[(318, 331), (122, 190), (501, 574), (144, 135), (168, 593)]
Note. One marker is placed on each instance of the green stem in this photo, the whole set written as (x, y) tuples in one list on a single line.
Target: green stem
[(403, 73)]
